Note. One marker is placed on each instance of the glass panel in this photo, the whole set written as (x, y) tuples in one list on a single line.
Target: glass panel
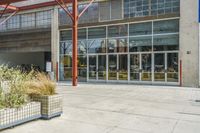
[(159, 67), (43, 18), (123, 70), (66, 47), (167, 26), (82, 68), (82, 46), (102, 67), (65, 67), (117, 31), (138, 44), (146, 67), (28, 20), (13, 22), (92, 67), (141, 8), (166, 42), (82, 34), (172, 67), (97, 46), (98, 32), (134, 67), (140, 29), (66, 35), (117, 45), (112, 67)]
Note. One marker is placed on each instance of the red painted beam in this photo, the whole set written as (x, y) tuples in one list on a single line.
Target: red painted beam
[(4, 2), (9, 7)]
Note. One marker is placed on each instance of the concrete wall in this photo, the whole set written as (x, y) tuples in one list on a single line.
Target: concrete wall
[(38, 40), (55, 40), (14, 59), (189, 45)]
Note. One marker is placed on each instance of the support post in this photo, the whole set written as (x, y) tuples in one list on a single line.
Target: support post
[(75, 43)]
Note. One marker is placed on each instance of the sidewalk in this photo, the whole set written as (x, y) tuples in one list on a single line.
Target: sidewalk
[(98, 108)]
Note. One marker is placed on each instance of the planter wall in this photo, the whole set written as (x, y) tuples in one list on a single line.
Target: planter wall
[(15, 116), (51, 106)]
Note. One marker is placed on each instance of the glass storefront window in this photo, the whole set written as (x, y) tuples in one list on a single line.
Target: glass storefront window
[(117, 30), (82, 34), (139, 44), (134, 67), (166, 26), (172, 67), (140, 29), (65, 67), (117, 45), (97, 32), (166, 42), (97, 46), (66, 35), (66, 47), (82, 67), (82, 46)]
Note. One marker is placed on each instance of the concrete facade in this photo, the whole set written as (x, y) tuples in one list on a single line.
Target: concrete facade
[(189, 42), (48, 39)]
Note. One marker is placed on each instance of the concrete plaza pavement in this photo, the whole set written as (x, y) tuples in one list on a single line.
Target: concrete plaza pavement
[(98, 108)]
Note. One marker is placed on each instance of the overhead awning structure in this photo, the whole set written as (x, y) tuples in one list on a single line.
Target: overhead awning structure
[(6, 5), (74, 15)]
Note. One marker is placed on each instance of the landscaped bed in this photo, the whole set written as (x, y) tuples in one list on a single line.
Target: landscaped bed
[(26, 96)]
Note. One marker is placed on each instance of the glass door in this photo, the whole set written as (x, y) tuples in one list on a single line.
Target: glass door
[(134, 67), (92, 67), (146, 67), (101, 67), (112, 67), (122, 67), (159, 67), (172, 67)]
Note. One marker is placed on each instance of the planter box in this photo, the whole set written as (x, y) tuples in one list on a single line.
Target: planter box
[(10, 117), (51, 106)]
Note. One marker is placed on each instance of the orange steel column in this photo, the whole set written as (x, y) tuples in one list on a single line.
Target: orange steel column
[(75, 43)]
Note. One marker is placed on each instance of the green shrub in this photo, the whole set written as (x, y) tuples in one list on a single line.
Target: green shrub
[(22, 85)]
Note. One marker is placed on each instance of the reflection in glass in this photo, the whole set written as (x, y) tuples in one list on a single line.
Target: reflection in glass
[(139, 44), (82, 46), (123, 71), (172, 67), (146, 67), (66, 47), (159, 67), (166, 26), (140, 29), (117, 45), (97, 46), (97, 32), (117, 30), (134, 67), (92, 67), (65, 67), (82, 68), (166, 42), (102, 67), (112, 67)]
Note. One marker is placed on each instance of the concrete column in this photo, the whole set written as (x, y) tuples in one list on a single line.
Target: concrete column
[(189, 42), (55, 39)]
